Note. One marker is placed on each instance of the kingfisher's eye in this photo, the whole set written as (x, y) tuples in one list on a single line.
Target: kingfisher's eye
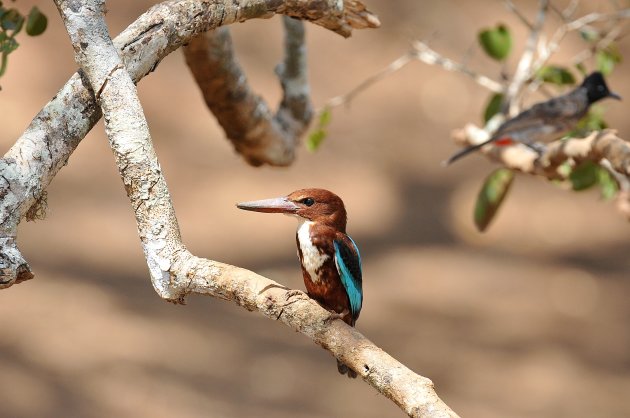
[(308, 201)]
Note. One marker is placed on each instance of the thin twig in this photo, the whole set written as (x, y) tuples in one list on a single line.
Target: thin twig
[(421, 52), (424, 53), (574, 25), (524, 68), (346, 99), (565, 14), (512, 8)]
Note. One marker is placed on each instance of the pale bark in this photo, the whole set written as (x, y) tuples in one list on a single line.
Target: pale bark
[(174, 271), (597, 146), (601, 147), (112, 69), (47, 143), (524, 68)]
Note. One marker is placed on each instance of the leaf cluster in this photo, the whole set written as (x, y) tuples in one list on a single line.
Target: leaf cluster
[(12, 21), (497, 44)]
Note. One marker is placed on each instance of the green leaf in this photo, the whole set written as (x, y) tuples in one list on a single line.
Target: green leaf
[(3, 63), (496, 42), (581, 68), (564, 170), (584, 176), (606, 59), (589, 34), (556, 75), (317, 136), (593, 121), (7, 45), (493, 107), (607, 184), (315, 139), (325, 117), (36, 22), (12, 20), (491, 196)]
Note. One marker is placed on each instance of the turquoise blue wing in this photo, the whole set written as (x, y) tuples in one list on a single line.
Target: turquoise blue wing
[(348, 262)]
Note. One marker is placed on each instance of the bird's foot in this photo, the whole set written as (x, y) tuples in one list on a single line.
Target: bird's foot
[(537, 147), (343, 369), (293, 293), (336, 315), (292, 296)]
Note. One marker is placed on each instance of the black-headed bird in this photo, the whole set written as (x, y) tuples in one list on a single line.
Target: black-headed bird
[(549, 120)]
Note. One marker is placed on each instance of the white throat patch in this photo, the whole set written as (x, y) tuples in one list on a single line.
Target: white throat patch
[(311, 257)]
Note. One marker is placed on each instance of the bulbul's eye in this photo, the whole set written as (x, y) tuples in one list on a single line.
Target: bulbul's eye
[(308, 201)]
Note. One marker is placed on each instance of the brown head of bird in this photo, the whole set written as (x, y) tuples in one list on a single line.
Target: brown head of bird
[(317, 205)]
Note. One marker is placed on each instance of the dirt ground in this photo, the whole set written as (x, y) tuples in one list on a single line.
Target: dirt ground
[(530, 319)]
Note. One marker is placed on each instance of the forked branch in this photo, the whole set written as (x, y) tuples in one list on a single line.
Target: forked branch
[(47, 143), (257, 135), (175, 272)]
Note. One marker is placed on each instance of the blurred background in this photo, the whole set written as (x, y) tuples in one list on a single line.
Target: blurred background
[(527, 320)]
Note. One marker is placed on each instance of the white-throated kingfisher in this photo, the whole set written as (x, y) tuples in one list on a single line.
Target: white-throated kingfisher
[(331, 264)]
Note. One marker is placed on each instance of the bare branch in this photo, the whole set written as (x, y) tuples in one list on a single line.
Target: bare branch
[(423, 53), (413, 393), (610, 36), (257, 135), (512, 8), (567, 12), (339, 16), (46, 145), (573, 25), (394, 66), (597, 17), (174, 271), (523, 69), (295, 107), (603, 147)]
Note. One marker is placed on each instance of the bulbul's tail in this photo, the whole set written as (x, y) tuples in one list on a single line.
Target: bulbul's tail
[(343, 369), (464, 152)]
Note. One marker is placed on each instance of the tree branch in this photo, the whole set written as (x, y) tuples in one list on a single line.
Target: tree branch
[(174, 271), (601, 147), (512, 8), (423, 53), (47, 143), (524, 67), (420, 51), (346, 98), (257, 135), (573, 25)]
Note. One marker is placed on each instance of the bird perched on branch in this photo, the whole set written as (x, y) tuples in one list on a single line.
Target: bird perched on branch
[(331, 264), (546, 121)]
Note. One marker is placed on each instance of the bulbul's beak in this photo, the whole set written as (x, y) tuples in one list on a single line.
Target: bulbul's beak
[(277, 205), (614, 96)]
